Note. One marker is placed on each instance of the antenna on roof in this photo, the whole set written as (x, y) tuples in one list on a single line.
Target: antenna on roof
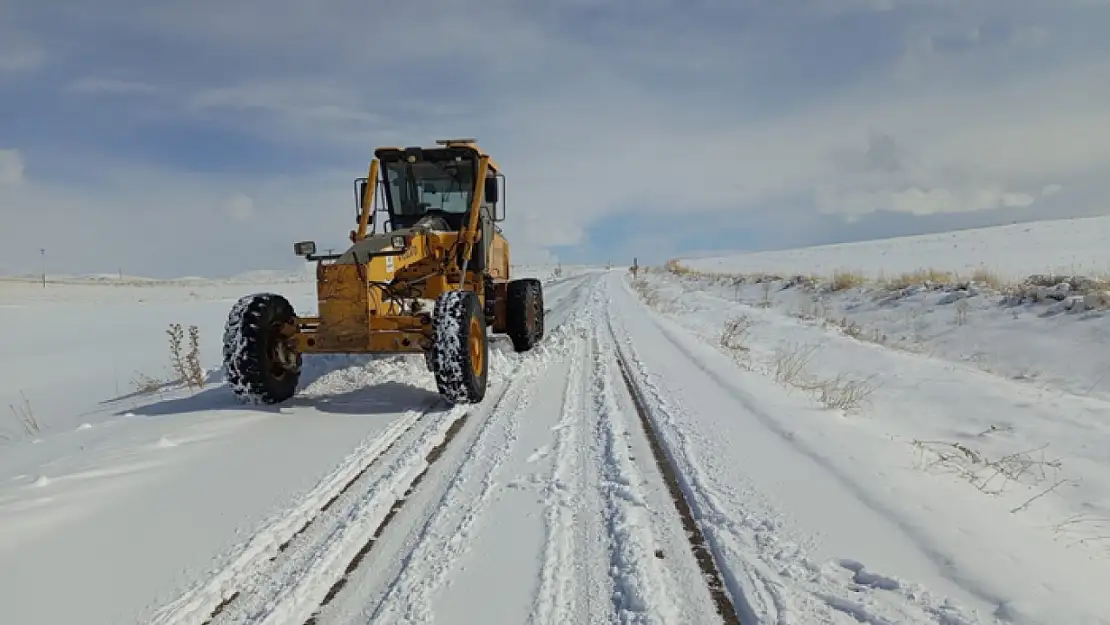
[(450, 141)]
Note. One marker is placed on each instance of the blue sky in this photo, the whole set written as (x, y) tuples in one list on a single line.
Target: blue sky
[(204, 137)]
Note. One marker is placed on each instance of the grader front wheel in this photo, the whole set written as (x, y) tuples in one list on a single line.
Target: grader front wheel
[(460, 347), (261, 362)]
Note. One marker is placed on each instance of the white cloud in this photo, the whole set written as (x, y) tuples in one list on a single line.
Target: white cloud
[(161, 226), (20, 57), (918, 201), (92, 85), (240, 207), (11, 167)]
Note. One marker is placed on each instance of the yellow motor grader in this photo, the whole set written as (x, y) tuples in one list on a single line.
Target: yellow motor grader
[(433, 281)]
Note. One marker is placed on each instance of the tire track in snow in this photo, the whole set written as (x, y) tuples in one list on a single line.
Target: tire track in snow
[(214, 595), (613, 421), (302, 572), (461, 493), (556, 599), (443, 533), (602, 539), (443, 536)]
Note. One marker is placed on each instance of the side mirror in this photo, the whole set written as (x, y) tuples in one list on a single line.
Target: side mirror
[(360, 193), (499, 201), (491, 191), (304, 248)]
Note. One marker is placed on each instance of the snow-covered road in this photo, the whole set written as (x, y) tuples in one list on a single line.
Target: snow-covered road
[(365, 500)]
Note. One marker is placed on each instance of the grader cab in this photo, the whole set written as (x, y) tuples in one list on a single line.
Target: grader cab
[(433, 281)]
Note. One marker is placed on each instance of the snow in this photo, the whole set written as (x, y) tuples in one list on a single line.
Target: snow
[(1067, 246), (967, 483)]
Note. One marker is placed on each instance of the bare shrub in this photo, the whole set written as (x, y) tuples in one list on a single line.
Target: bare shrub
[(765, 301), (962, 309), (1029, 467), (677, 268), (1093, 529), (25, 415), (790, 362), (735, 332), (850, 328), (844, 393), (648, 294), (193, 368), (186, 365)]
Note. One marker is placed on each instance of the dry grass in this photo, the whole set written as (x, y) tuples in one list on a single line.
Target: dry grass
[(844, 280), (921, 276), (930, 277), (988, 278), (145, 384)]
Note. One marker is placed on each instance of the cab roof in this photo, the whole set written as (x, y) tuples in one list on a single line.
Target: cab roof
[(443, 147)]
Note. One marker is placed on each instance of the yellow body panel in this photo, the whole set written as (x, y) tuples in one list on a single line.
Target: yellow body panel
[(499, 257), (353, 318)]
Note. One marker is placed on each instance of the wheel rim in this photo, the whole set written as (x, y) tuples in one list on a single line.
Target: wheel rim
[(278, 355), (476, 355)]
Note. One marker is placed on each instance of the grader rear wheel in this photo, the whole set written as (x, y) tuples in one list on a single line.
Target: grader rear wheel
[(524, 310), (460, 347)]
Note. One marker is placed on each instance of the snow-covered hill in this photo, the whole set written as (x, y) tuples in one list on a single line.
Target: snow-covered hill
[(1068, 246), (957, 355)]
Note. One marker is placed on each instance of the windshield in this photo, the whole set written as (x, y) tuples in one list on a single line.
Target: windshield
[(415, 188)]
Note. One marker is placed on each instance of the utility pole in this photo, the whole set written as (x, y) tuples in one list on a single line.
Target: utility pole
[(42, 254)]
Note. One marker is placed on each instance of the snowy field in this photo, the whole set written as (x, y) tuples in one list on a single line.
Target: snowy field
[(1068, 246), (848, 456)]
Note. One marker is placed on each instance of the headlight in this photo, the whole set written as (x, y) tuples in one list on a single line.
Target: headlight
[(304, 248), (399, 242)]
